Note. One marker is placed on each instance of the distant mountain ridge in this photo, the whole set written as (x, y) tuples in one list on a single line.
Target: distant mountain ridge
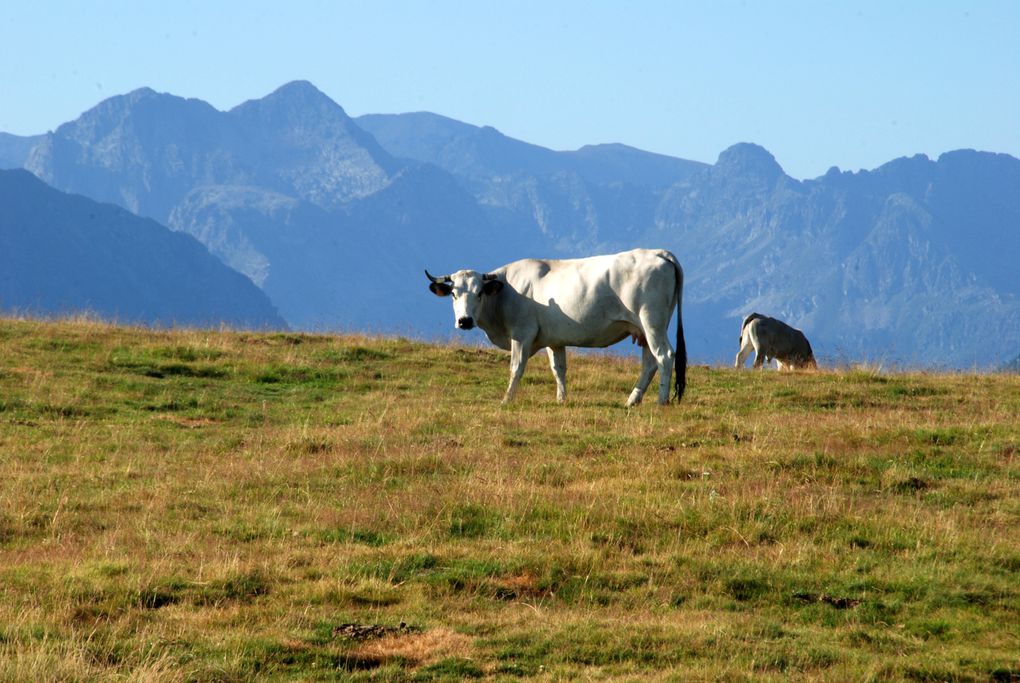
[(870, 262), (147, 150), (14, 149), (484, 152), (578, 202), (63, 253), (335, 218), (269, 187)]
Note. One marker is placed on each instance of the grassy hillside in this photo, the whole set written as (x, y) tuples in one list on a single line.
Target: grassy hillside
[(226, 506)]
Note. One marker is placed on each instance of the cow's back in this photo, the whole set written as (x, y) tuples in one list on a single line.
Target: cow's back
[(593, 301), (779, 340)]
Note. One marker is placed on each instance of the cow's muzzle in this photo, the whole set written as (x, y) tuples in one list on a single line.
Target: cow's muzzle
[(466, 323)]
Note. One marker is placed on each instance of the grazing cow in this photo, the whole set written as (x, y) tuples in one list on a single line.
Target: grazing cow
[(771, 338), (535, 304)]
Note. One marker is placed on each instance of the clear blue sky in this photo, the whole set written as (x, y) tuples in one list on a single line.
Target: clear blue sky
[(818, 83)]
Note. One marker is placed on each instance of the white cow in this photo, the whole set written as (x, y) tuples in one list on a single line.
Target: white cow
[(772, 338), (535, 304)]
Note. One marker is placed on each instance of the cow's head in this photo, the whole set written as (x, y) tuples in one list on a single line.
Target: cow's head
[(808, 363), (806, 359), (467, 287)]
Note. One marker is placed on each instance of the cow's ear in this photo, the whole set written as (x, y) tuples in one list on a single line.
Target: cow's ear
[(492, 287), (440, 288)]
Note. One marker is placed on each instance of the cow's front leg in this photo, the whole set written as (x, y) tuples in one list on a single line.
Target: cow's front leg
[(520, 351), (558, 363)]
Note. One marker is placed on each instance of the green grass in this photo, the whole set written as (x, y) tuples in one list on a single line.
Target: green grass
[(215, 506)]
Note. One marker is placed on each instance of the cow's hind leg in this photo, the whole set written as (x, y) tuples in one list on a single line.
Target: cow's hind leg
[(658, 343), (648, 368), (558, 363)]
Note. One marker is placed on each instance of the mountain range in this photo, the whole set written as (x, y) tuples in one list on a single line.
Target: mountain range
[(335, 218), (64, 254)]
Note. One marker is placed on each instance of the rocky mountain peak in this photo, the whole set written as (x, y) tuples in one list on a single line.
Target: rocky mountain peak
[(295, 103), (749, 159), (144, 110)]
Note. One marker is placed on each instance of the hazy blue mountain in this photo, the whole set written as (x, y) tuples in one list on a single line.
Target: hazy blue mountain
[(62, 253), (484, 152), (864, 262), (591, 200), (302, 142), (14, 149), (286, 189), (911, 263), (871, 265), (146, 150), (143, 150), (460, 148), (616, 164), (356, 269)]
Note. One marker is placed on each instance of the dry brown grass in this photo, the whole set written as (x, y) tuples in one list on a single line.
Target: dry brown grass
[(198, 505), (417, 649)]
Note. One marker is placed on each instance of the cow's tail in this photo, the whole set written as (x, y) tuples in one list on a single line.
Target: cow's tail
[(680, 359)]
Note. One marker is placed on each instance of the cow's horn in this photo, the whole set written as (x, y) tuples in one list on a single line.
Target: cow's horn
[(437, 280)]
